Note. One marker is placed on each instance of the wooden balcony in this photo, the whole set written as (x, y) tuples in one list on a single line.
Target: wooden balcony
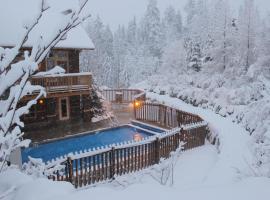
[(64, 84)]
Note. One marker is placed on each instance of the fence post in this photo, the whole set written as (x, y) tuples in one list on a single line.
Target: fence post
[(70, 169), (177, 139), (157, 150), (134, 108), (182, 137), (112, 161)]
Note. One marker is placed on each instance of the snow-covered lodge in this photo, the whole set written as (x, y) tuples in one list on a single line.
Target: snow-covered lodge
[(67, 92)]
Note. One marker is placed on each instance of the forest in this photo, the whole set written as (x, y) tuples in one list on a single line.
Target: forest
[(216, 57)]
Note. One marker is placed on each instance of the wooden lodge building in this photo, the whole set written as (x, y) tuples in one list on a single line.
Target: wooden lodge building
[(67, 93)]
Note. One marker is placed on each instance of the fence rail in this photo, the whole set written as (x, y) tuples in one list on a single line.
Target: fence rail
[(104, 164), (64, 82), (123, 95), (164, 115)]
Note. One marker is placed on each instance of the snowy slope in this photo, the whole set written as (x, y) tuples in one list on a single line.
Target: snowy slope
[(190, 182)]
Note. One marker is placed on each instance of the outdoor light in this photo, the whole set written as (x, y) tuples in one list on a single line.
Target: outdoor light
[(41, 101), (137, 104)]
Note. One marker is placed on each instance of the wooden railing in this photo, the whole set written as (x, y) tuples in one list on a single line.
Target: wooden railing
[(165, 116), (104, 164), (123, 95), (64, 82)]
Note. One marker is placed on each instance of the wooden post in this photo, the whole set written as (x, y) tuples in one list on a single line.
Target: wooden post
[(157, 150), (178, 138), (182, 138), (134, 108), (112, 167), (70, 170)]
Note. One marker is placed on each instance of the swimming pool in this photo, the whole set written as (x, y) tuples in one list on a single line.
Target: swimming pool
[(52, 150)]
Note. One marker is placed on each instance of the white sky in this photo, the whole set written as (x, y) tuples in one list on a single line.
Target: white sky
[(115, 12)]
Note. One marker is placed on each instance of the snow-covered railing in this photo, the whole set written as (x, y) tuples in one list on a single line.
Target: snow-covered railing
[(60, 83), (101, 164), (124, 95)]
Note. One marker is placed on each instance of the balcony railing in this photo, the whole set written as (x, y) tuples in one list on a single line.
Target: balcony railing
[(64, 83)]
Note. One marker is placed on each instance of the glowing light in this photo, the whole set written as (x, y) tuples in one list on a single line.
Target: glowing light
[(41, 101), (137, 104), (137, 137)]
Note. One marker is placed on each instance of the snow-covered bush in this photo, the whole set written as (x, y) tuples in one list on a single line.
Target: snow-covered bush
[(38, 169)]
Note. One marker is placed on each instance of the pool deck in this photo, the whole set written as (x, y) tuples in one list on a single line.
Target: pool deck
[(123, 115)]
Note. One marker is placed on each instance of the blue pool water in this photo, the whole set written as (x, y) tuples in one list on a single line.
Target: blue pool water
[(49, 151)]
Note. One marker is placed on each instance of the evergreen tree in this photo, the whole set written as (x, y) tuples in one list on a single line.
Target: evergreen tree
[(132, 34), (172, 25), (152, 30), (190, 9), (100, 61), (96, 102), (247, 33)]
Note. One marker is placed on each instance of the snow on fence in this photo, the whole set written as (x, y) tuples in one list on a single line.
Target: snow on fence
[(103, 164)]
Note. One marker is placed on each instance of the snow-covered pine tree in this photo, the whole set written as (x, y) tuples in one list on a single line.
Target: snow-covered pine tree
[(197, 33), (190, 9), (171, 25), (221, 30), (132, 34), (151, 30), (247, 33), (120, 50), (96, 102), (100, 61)]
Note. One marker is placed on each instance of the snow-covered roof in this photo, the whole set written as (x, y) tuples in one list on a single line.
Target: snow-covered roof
[(14, 14)]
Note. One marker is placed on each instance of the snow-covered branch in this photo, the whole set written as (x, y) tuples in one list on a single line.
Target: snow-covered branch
[(15, 77), (37, 168)]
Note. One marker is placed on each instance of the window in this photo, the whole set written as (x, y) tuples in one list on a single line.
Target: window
[(64, 108), (60, 58)]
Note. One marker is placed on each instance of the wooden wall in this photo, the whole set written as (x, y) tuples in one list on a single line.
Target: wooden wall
[(48, 113), (73, 61), (75, 107)]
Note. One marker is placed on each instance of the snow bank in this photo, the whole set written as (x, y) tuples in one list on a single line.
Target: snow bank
[(18, 186)]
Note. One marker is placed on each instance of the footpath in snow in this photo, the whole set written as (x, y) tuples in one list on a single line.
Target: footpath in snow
[(234, 141)]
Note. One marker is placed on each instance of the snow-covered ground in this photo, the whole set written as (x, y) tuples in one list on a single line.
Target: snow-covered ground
[(234, 140), (191, 181), (203, 173)]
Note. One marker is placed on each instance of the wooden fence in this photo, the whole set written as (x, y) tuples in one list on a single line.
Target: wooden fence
[(104, 164), (123, 95), (165, 116)]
